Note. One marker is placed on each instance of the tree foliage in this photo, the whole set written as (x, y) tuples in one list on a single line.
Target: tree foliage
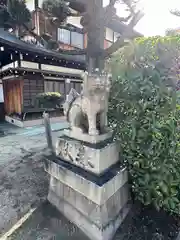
[(171, 32), (175, 12), (15, 14), (144, 112), (19, 11), (93, 20), (58, 9)]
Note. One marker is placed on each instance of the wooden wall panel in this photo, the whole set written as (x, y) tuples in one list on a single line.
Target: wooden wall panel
[(61, 86), (85, 40), (77, 86), (54, 86), (32, 87), (13, 91)]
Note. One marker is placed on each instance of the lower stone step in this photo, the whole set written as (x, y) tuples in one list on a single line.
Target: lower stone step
[(96, 206), (99, 214), (92, 230)]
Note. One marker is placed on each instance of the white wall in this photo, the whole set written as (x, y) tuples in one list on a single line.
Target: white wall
[(31, 4), (1, 94), (75, 21), (105, 3)]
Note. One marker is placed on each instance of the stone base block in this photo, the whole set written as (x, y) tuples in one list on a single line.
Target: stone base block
[(86, 137), (98, 189), (99, 214), (92, 157), (96, 204), (98, 222)]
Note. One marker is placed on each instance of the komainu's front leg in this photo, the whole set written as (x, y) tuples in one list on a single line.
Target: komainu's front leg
[(74, 119), (92, 124), (103, 121)]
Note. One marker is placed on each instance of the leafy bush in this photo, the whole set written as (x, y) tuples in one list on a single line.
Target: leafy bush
[(49, 100), (144, 112), (56, 8)]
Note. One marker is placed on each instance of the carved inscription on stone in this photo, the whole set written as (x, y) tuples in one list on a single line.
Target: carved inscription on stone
[(73, 151)]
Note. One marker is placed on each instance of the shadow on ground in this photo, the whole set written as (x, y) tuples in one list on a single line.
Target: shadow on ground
[(47, 223)]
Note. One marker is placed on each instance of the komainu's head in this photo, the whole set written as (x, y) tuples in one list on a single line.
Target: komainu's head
[(96, 84)]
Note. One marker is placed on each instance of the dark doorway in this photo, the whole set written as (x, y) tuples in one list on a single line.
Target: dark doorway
[(2, 112)]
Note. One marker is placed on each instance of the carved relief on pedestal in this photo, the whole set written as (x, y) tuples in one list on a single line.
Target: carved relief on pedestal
[(73, 152), (87, 113), (95, 160)]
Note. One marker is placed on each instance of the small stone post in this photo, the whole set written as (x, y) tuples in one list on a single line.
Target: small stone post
[(48, 130)]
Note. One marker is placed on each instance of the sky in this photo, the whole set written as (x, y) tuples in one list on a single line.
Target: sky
[(157, 16)]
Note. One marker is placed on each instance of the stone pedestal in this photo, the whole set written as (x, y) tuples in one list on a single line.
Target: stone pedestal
[(88, 184)]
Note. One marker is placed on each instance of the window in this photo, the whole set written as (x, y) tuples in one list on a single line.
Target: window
[(109, 35), (64, 35), (1, 93), (77, 39), (74, 39)]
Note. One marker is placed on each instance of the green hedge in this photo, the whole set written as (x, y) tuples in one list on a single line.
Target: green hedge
[(144, 112)]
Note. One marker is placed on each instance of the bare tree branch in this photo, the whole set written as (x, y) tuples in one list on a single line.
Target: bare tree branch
[(114, 47), (128, 34), (125, 19), (50, 15), (109, 10), (130, 5), (136, 18), (175, 12), (38, 38), (112, 2)]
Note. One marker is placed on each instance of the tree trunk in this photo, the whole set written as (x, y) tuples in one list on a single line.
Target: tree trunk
[(94, 63), (95, 44)]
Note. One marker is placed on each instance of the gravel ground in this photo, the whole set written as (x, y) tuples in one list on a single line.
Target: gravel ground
[(142, 223), (23, 181), (47, 223), (24, 184)]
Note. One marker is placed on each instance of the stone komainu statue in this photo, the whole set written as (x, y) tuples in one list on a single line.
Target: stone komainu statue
[(87, 112)]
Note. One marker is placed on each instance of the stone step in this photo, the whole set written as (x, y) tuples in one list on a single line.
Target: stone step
[(96, 204), (100, 215), (92, 230), (95, 188)]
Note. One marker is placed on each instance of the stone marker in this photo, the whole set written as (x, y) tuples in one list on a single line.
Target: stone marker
[(87, 181)]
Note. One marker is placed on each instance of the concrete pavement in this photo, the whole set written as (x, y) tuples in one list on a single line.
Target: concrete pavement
[(23, 181)]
